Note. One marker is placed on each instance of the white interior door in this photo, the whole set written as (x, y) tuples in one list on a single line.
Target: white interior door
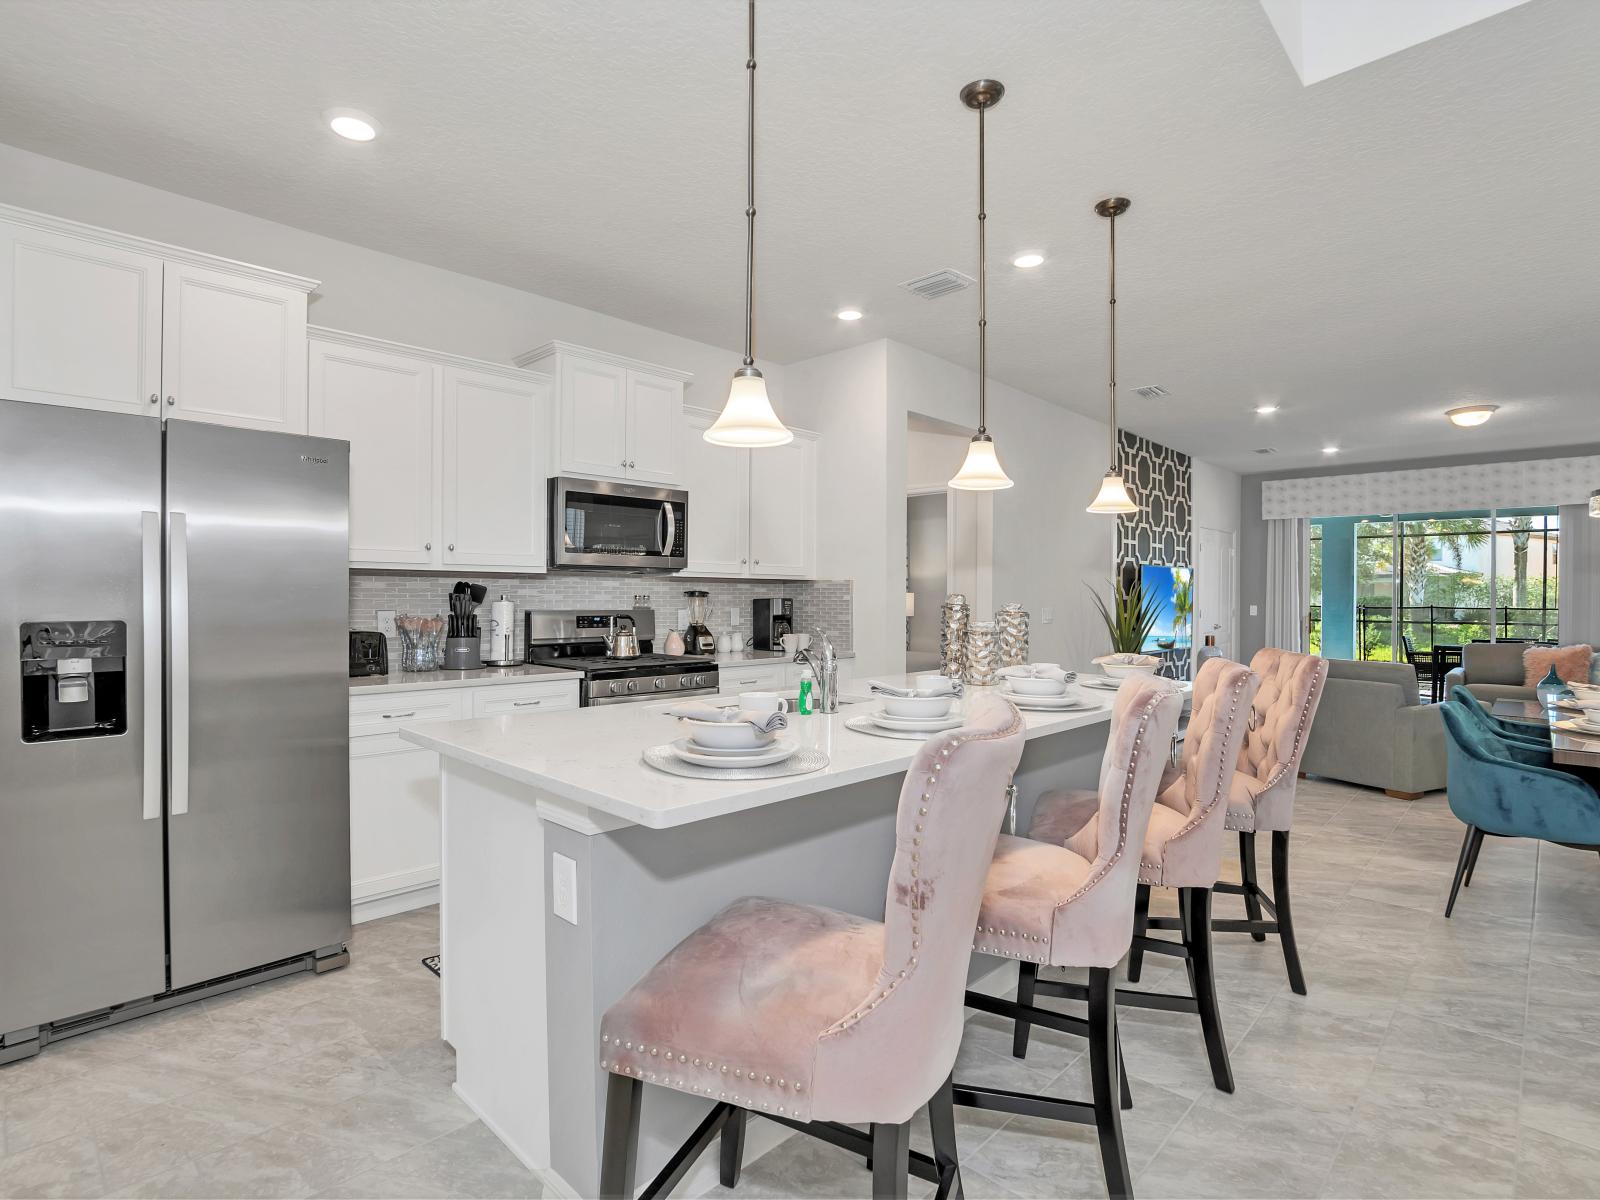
[(493, 466), (385, 406), (718, 480), (655, 421), (1216, 588), (594, 419), (80, 322)]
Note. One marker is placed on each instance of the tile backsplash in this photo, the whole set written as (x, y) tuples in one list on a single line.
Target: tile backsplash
[(822, 602)]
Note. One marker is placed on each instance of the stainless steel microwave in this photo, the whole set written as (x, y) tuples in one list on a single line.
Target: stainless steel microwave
[(621, 526)]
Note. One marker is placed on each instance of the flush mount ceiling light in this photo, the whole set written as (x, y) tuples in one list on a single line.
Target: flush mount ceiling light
[(1330, 449), (351, 124), (1594, 504), (747, 418), (1027, 261), (848, 314), (1113, 495), (981, 470), (1266, 410), (1469, 415)]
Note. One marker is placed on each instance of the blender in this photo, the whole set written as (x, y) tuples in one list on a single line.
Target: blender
[(698, 638)]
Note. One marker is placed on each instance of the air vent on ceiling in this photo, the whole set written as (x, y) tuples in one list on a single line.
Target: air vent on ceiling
[(1152, 391), (940, 283), (1267, 450)]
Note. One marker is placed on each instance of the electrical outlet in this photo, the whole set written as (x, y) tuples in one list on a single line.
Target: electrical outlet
[(564, 887), (386, 623), (1252, 610), (683, 618), (733, 618)]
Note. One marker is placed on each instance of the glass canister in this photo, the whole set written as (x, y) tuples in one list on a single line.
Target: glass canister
[(953, 618), (420, 642), (1012, 622), (982, 654)]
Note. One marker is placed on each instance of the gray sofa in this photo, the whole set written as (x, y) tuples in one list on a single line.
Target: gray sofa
[(1372, 729), (1491, 671)]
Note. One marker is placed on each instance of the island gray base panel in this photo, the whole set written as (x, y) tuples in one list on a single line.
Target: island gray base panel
[(640, 892)]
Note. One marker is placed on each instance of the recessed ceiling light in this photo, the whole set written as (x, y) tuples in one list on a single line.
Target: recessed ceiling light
[(1469, 415), (1027, 261), (848, 314), (351, 124), (1266, 410), (1330, 449)]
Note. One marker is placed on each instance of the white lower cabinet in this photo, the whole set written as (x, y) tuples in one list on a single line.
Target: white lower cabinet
[(751, 677), (394, 786)]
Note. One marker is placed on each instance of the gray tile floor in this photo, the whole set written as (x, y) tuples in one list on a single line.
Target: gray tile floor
[(1431, 1058)]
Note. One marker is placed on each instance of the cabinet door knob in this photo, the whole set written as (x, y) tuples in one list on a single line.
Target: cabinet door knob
[(155, 398), (623, 463), (743, 561), (451, 546), (427, 545), (631, 464), (758, 562), (171, 401)]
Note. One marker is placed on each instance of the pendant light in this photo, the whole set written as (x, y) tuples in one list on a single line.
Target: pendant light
[(1113, 495), (747, 418), (981, 471)]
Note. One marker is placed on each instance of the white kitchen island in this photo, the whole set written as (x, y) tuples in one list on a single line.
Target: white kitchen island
[(570, 867)]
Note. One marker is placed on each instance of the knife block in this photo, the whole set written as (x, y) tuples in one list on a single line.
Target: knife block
[(462, 654)]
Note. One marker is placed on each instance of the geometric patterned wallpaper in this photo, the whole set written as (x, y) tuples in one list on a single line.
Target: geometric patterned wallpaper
[(1158, 476)]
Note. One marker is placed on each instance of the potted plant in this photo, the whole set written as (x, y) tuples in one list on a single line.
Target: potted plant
[(1128, 617)]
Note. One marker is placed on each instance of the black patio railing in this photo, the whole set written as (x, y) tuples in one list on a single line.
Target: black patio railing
[(1430, 625)]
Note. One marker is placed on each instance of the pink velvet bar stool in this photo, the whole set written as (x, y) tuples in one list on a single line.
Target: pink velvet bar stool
[(1262, 797), (1072, 906), (1182, 849), (817, 1019)]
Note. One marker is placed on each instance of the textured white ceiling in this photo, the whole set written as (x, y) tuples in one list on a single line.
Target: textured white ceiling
[(1414, 234)]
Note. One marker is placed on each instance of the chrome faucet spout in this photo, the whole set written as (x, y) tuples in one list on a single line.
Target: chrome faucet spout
[(824, 664)]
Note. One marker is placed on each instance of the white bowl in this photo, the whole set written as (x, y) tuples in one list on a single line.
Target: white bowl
[(1120, 666), (917, 706), (726, 735), (1028, 685)]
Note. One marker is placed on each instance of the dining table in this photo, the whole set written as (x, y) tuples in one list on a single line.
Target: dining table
[(1569, 748)]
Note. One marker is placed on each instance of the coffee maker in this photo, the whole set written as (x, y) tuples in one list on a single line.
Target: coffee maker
[(697, 638), (773, 617)]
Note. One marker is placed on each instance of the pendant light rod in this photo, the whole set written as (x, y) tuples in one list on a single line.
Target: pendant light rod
[(1111, 209), (750, 198), (982, 95)]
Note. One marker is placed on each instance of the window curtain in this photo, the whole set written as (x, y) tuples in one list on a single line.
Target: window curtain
[(1578, 575), (1288, 583)]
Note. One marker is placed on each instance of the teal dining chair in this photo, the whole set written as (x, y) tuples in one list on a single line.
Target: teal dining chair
[(1494, 793), (1523, 743)]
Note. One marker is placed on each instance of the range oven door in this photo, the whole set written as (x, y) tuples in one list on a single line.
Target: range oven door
[(625, 526)]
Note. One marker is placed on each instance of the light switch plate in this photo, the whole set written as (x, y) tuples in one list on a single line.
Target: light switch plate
[(386, 623), (1046, 615), (564, 887), (733, 618), (683, 618), (1253, 610)]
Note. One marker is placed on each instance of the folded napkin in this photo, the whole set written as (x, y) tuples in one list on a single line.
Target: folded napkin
[(699, 710), (1028, 671), (945, 687)]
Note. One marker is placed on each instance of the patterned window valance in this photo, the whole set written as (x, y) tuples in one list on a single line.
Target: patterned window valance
[(1530, 484)]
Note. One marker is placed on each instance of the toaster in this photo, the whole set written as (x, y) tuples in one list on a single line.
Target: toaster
[(369, 653)]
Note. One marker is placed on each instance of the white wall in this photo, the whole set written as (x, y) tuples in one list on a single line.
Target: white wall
[(367, 292), (1214, 496)]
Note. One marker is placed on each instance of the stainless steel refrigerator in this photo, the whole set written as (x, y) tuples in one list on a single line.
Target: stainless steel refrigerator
[(174, 786)]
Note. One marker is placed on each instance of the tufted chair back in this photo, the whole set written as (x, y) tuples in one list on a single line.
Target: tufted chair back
[(882, 1061), (1286, 702)]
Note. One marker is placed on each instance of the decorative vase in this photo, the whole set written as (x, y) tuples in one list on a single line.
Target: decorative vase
[(953, 618), (1552, 688), (982, 654), (1012, 621)]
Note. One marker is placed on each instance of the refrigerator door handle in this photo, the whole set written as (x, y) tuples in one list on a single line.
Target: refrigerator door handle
[(150, 580), (178, 656)]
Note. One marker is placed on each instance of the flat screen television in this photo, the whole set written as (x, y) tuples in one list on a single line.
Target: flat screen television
[(1174, 625)]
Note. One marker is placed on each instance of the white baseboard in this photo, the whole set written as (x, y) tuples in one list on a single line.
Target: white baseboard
[(370, 908)]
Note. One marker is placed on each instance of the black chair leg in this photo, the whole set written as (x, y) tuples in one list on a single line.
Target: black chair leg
[(1104, 1070), (1247, 875), (1472, 859), (1196, 905), (1122, 1073), (1280, 901), (891, 1161), (946, 1156), (1469, 849), (1027, 976), (621, 1146), (733, 1147), (1141, 918)]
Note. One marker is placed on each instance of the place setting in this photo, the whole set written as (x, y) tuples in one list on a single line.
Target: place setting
[(1117, 667), (743, 740), (1042, 687), (914, 713)]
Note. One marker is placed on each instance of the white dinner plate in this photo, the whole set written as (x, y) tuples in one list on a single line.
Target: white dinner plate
[(1104, 682), (731, 752), (916, 724), (1048, 703), (781, 749), (1579, 725)]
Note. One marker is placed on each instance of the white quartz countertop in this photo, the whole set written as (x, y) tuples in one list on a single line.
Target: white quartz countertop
[(592, 757), (411, 681)]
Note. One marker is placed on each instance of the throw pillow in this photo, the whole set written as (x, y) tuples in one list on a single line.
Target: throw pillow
[(1570, 662)]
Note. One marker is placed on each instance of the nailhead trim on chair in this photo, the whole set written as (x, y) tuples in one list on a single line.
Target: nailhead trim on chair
[(1283, 767)]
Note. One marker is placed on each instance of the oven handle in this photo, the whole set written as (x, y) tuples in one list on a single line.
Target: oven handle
[(670, 533)]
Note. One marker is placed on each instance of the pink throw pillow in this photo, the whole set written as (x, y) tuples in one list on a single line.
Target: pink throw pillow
[(1571, 662)]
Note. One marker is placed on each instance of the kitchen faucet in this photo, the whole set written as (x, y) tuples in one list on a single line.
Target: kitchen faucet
[(824, 664)]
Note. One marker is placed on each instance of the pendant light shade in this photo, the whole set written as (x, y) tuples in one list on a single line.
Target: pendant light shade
[(1113, 496), (981, 471), (747, 418)]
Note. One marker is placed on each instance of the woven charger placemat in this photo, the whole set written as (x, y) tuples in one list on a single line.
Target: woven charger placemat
[(868, 725), (801, 762)]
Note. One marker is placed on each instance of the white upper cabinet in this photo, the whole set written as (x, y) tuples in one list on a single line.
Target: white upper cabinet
[(615, 417), (448, 455), (751, 512), (95, 319), (495, 430), (233, 350), (385, 404)]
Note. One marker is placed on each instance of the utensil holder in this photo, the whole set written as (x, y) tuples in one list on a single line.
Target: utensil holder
[(982, 659), (1012, 622), (462, 654), (953, 618)]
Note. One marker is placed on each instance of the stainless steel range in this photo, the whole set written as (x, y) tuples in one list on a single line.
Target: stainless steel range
[(582, 639)]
